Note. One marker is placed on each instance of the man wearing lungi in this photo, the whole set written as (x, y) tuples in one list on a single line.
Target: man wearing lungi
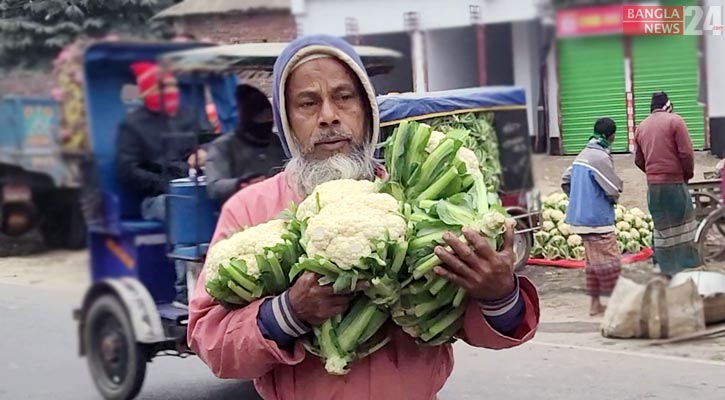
[(664, 153), (593, 189)]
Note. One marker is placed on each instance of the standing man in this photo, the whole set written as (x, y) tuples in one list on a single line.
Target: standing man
[(326, 111), (664, 152), (593, 189), (252, 153)]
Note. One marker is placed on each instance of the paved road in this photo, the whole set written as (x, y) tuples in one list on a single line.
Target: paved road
[(38, 360)]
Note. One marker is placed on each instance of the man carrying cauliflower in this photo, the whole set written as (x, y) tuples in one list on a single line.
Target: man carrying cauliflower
[(593, 189), (325, 108)]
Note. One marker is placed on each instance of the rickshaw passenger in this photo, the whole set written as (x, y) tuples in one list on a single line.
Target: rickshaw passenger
[(251, 154), (146, 160)]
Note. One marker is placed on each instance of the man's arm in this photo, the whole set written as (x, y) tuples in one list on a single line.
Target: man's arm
[(232, 342), (478, 328), (639, 158), (220, 182), (129, 160), (607, 179), (566, 181), (684, 149)]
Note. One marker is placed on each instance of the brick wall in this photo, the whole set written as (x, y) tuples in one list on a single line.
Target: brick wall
[(237, 28), (241, 28)]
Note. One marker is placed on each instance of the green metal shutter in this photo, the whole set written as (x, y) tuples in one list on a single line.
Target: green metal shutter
[(669, 64), (591, 86)]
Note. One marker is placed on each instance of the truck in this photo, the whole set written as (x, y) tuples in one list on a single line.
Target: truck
[(40, 182)]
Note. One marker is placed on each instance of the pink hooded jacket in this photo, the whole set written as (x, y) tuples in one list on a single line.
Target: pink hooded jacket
[(231, 344)]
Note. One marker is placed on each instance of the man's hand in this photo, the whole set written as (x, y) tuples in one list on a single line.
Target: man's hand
[(314, 304), (485, 274), (197, 159)]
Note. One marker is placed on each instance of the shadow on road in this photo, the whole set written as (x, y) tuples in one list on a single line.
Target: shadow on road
[(224, 390)]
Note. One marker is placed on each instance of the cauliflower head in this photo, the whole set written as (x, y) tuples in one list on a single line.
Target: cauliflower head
[(637, 212), (548, 226), (623, 226), (464, 154), (245, 245), (574, 241), (332, 192), (564, 228), (348, 232), (557, 216)]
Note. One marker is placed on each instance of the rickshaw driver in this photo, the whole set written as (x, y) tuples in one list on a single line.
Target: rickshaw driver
[(146, 161), (326, 110)]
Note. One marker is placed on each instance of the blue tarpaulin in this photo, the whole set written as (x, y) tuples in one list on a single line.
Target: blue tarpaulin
[(395, 107)]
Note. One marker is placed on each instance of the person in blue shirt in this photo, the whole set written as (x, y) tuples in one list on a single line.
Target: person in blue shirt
[(593, 189)]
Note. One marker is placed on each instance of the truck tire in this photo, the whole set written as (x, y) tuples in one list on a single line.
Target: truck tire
[(62, 225)]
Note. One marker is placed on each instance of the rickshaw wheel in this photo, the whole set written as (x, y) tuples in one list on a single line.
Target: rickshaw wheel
[(522, 246), (116, 362), (711, 244)]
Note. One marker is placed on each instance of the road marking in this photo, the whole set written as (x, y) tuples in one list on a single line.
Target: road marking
[(632, 353)]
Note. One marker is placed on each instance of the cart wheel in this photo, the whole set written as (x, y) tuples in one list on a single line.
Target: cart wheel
[(522, 246), (116, 362), (711, 243)]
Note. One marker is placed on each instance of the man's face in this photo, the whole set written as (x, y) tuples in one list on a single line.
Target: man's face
[(325, 108)]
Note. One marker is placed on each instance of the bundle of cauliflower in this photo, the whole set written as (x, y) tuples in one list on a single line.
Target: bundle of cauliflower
[(555, 240), (379, 233)]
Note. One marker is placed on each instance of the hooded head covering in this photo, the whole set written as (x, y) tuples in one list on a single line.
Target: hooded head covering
[(308, 48), (660, 101), (253, 106), (149, 84)]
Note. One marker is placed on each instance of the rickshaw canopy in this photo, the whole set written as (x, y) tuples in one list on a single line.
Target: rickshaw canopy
[(260, 57), (397, 107)]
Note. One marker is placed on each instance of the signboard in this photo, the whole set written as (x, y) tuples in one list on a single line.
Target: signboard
[(673, 20), (589, 21)]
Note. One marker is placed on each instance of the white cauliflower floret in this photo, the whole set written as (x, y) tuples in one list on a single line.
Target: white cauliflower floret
[(346, 233), (564, 228), (469, 158), (624, 226), (222, 251), (494, 224), (548, 226), (557, 216), (618, 215), (435, 139), (332, 192), (637, 212), (628, 218), (574, 241), (245, 245), (464, 154)]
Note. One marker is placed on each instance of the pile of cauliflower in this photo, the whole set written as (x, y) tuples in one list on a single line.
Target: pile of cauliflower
[(555, 240)]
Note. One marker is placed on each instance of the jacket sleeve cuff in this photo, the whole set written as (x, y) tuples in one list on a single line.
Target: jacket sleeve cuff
[(277, 321), (505, 315)]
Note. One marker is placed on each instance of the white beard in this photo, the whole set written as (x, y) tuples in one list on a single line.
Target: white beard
[(305, 173)]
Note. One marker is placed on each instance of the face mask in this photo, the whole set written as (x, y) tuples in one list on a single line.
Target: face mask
[(260, 129)]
